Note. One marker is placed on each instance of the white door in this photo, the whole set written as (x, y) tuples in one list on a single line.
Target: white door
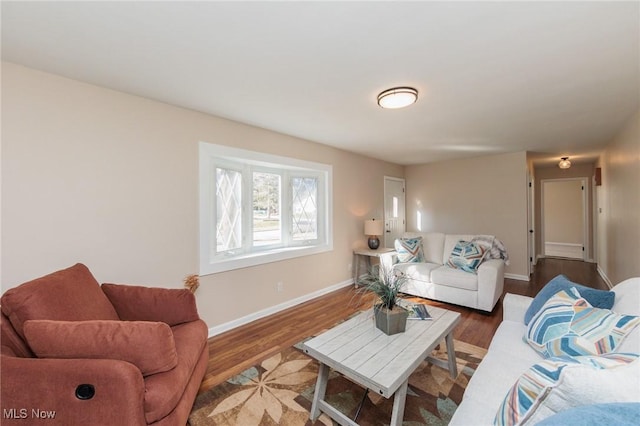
[(564, 220), (394, 210)]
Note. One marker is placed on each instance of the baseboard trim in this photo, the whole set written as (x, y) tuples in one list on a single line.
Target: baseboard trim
[(517, 277), (568, 250), (219, 329), (604, 277)]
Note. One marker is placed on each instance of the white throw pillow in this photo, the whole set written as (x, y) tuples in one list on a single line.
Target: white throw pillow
[(557, 384)]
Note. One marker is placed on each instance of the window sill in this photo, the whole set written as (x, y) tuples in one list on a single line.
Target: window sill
[(254, 259)]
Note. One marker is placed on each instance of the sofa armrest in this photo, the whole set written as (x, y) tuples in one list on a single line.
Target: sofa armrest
[(136, 303), (32, 386), (490, 283), (387, 260), (514, 307)]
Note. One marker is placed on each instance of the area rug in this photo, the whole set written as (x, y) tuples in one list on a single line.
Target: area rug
[(279, 391)]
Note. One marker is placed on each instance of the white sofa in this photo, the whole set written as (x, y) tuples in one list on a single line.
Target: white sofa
[(432, 279), (509, 356)]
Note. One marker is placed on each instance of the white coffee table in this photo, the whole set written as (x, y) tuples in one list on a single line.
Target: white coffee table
[(380, 363)]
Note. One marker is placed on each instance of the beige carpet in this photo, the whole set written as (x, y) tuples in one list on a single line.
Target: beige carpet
[(279, 391)]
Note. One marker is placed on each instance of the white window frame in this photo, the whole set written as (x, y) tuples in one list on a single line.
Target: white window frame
[(212, 156)]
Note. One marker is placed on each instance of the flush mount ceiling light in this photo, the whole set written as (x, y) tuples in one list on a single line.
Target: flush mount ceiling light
[(398, 97), (564, 163)]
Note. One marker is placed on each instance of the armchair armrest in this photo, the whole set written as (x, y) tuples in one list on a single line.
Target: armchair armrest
[(514, 307), (136, 303), (32, 386)]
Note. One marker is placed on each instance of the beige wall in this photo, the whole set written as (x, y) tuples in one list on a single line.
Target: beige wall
[(618, 201), (482, 195), (552, 173), (111, 180)]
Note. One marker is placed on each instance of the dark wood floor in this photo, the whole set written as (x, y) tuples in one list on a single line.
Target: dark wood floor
[(238, 349)]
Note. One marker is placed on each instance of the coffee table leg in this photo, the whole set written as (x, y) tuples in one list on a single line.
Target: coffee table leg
[(321, 388), (451, 354), (399, 399)]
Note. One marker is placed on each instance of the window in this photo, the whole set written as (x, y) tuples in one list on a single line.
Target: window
[(257, 208)]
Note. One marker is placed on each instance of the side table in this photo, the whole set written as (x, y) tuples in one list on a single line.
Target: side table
[(366, 254)]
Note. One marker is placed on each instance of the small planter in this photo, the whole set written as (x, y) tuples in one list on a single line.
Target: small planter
[(390, 321)]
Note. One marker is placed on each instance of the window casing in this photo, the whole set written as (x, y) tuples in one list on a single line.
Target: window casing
[(257, 208)]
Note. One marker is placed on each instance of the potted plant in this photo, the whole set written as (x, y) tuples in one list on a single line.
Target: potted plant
[(386, 285)]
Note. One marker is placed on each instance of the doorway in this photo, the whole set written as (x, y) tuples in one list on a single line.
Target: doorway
[(394, 210), (564, 218)]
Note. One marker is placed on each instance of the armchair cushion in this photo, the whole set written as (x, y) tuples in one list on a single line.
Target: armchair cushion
[(147, 345), (71, 294), (135, 303)]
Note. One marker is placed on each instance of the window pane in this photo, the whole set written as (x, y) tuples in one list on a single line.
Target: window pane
[(305, 208), (229, 210), (266, 209)]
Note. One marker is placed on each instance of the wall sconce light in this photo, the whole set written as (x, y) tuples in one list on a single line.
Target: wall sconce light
[(564, 163), (373, 228), (398, 97)]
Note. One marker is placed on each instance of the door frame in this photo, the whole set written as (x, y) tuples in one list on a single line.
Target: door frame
[(384, 199), (531, 222), (585, 213)]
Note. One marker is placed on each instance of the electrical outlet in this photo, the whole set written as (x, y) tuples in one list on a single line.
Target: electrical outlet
[(349, 267), (279, 286)]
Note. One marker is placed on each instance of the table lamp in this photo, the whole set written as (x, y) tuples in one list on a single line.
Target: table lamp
[(373, 228)]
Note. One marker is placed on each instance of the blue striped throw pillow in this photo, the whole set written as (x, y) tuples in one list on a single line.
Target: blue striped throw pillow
[(568, 325), (409, 249), (467, 256)]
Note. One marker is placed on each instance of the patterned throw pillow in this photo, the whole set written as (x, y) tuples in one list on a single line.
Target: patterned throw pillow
[(568, 325), (466, 255), (598, 298), (409, 249), (557, 384)]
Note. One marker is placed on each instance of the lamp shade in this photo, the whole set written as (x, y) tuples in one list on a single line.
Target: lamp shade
[(373, 227)]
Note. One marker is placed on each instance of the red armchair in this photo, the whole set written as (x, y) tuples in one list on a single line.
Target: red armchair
[(74, 352)]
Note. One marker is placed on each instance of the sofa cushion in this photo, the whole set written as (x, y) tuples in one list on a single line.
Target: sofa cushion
[(466, 256), (556, 384), (417, 271), (457, 278), (628, 302), (627, 297), (506, 359), (168, 305), (71, 294), (147, 345), (568, 325), (409, 249), (597, 298), (164, 390)]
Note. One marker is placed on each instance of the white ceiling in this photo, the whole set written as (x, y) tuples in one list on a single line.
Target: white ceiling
[(555, 78)]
